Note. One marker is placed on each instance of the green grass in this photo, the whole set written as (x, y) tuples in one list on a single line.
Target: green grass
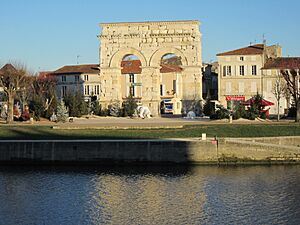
[(220, 130)]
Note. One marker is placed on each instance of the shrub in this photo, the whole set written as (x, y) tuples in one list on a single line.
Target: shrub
[(129, 106), (96, 108), (208, 108), (115, 109), (292, 111), (263, 115), (221, 113)]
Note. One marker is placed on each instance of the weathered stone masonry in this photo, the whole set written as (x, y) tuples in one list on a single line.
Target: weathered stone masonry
[(150, 41)]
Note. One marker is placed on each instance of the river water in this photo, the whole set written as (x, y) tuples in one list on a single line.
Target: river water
[(150, 195)]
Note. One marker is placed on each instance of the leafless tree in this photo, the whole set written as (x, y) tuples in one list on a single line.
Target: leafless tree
[(279, 91), (12, 80), (292, 78)]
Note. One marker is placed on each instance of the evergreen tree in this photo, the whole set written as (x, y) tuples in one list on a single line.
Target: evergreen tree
[(62, 112), (129, 106), (114, 109)]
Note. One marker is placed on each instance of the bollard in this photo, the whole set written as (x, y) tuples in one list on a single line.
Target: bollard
[(230, 119), (203, 137)]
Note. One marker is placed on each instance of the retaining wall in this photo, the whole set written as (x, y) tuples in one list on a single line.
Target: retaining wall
[(224, 151)]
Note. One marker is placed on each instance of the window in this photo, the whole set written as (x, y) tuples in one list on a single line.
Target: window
[(86, 77), (97, 89), (86, 90), (131, 78), (254, 70), (229, 70), (76, 78), (63, 78), (224, 71), (242, 70), (132, 91), (174, 87), (64, 91), (242, 58)]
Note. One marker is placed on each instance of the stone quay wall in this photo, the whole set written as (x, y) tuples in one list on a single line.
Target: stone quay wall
[(194, 151)]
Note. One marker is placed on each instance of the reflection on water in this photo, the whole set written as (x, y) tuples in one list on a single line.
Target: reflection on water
[(151, 195)]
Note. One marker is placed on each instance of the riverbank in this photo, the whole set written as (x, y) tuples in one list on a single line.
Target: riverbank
[(187, 151)]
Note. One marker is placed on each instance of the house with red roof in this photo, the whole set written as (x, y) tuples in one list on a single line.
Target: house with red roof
[(246, 71)]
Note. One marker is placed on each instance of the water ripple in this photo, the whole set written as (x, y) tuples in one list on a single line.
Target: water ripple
[(151, 195)]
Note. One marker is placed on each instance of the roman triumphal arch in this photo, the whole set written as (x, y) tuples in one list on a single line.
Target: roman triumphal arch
[(177, 79)]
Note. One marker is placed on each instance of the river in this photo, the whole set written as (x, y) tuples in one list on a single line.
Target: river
[(150, 195)]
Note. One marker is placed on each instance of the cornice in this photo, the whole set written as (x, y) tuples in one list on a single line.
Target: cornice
[(196, 22)]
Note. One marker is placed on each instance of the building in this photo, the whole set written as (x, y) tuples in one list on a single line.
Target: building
[(167, 58), (83, 78), (272, 72), (241, 75)]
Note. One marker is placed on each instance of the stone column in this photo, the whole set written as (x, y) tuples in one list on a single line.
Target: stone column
[(110, 81), (151, 89), (191, 89)]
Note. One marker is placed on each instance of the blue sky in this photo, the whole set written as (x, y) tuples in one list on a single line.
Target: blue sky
[(47, 34)]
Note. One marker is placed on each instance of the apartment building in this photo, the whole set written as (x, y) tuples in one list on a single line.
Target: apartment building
[(241, 75)]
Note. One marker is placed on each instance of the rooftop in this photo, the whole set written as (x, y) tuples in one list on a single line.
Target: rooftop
[(283, 63), (250, 50), (78, 69)]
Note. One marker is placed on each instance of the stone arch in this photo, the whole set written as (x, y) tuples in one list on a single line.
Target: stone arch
[(157, 55), (117, 58)]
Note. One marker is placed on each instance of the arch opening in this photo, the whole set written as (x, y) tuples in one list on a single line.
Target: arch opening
[(131, 69)]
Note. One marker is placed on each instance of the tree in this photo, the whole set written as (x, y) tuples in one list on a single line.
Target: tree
[(42, 92), (279, 91), (76, 104), (62, 112), (292, 78), (129, 106), (12, 80)]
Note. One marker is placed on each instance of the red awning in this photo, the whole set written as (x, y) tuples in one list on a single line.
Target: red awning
[(263, 102)]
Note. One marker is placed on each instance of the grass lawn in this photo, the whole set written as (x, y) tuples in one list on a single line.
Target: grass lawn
[(221, 130)]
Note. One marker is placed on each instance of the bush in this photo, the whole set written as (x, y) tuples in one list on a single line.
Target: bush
[(240, 112), (96, 108), (222, 113), (129, 106), (115, 109), (292, 111), (263, 115), (208, 108)]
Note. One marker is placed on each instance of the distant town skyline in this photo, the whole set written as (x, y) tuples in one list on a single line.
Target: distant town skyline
[(46, 35)]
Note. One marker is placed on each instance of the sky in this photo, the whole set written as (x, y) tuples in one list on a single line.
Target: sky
[(48, 34)]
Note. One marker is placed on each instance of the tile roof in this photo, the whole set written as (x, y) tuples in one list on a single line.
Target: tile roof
[(78, 69), (134, 66), (7, 67), (168, 68), (250, 50), (283, 63), (131, 66)]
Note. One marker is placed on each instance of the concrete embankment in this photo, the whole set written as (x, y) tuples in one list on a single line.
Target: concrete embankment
[(223, 151)]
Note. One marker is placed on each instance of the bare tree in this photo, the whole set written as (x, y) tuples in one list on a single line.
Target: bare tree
[(292, 78), (12, 80), (279, 91)]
